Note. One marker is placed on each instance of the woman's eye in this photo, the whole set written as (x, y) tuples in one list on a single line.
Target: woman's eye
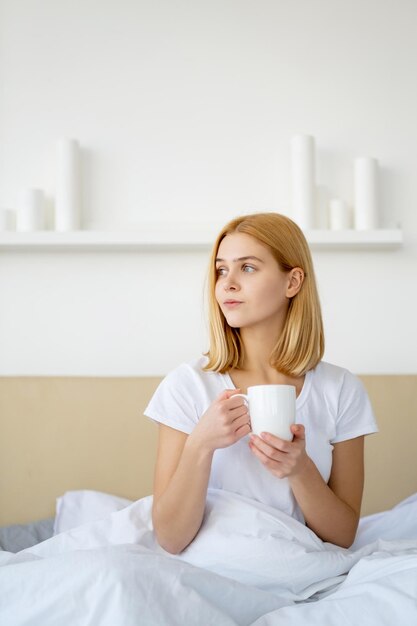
[(220, 271), (249, 268)]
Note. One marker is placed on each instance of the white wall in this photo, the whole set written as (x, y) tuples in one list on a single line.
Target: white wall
[(185, 110)]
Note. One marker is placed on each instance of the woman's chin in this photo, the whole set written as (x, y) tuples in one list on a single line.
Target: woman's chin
[(232, 322)]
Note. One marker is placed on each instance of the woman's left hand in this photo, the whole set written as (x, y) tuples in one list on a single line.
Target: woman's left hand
[(282, 458)]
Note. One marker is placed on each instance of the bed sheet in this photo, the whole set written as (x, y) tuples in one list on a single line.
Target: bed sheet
[(249, 565)]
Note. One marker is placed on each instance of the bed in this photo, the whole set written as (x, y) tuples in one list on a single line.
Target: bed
[(76, 540)]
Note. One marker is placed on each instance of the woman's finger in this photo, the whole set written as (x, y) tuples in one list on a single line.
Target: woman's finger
[(275, 442), (271, 452)]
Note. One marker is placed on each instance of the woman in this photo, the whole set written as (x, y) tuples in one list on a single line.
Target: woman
[(265, 328)]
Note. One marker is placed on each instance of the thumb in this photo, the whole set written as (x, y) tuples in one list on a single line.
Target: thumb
[(298, 431)]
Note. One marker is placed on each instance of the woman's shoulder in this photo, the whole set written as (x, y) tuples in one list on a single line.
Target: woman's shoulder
[(331, 371), (192, 371), (346, 399), (187, 389), (334, 376), (179, 397)]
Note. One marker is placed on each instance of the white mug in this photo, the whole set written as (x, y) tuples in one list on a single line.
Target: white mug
[(271, 409)]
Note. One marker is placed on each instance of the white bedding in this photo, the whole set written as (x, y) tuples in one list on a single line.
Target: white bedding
[(250, 564)]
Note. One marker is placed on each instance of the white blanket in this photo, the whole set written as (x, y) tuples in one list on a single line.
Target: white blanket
[(250, 564)]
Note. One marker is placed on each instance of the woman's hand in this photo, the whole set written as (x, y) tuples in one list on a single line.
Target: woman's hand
[(223, 424), (282, 458)]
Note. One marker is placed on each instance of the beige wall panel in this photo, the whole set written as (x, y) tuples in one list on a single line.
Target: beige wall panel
[(391, 455), (60, 434)]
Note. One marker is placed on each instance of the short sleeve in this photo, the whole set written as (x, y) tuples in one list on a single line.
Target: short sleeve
[(172, 403), (355, 416)]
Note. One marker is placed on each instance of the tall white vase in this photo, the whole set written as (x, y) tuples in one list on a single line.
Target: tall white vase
[(303, 180), (68, 186), (366, 193)]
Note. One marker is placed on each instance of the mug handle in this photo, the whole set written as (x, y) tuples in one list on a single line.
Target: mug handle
[(244, 396)]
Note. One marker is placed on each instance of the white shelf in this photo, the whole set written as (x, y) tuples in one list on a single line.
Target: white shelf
[(91, 240), (356, 239), (180, 238)]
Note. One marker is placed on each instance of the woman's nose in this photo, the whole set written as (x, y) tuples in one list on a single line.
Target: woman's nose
[(230, 284)]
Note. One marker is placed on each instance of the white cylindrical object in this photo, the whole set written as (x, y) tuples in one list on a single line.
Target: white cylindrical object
[(68, 186), (339, 215), (302, 180), (271, 409), (31, 210), (366, 193), (7, 220)]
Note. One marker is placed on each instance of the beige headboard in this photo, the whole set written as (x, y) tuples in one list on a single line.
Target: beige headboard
[(59, 434)]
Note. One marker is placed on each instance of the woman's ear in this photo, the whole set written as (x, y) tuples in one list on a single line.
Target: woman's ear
[(295, 281)]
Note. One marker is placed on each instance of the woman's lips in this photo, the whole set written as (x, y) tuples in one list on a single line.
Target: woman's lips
[(231, 304)]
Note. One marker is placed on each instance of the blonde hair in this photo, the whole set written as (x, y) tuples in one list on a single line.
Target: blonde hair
[(300, 346)]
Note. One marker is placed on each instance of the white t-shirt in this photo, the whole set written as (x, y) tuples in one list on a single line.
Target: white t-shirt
[(333, 406)]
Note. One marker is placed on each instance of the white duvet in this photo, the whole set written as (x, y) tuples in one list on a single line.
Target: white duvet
[(250, 564)]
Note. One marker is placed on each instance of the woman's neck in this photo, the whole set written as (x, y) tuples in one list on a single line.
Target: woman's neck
[(258, 345), (259, 342)]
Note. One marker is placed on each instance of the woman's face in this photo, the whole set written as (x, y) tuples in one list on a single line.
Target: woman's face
[(251, 288)]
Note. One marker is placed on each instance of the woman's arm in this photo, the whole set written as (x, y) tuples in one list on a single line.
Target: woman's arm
[(180, 486), (331, 510), (183, 469)]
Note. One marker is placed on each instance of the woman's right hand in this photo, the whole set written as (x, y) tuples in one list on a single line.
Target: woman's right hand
[(223, 424)]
